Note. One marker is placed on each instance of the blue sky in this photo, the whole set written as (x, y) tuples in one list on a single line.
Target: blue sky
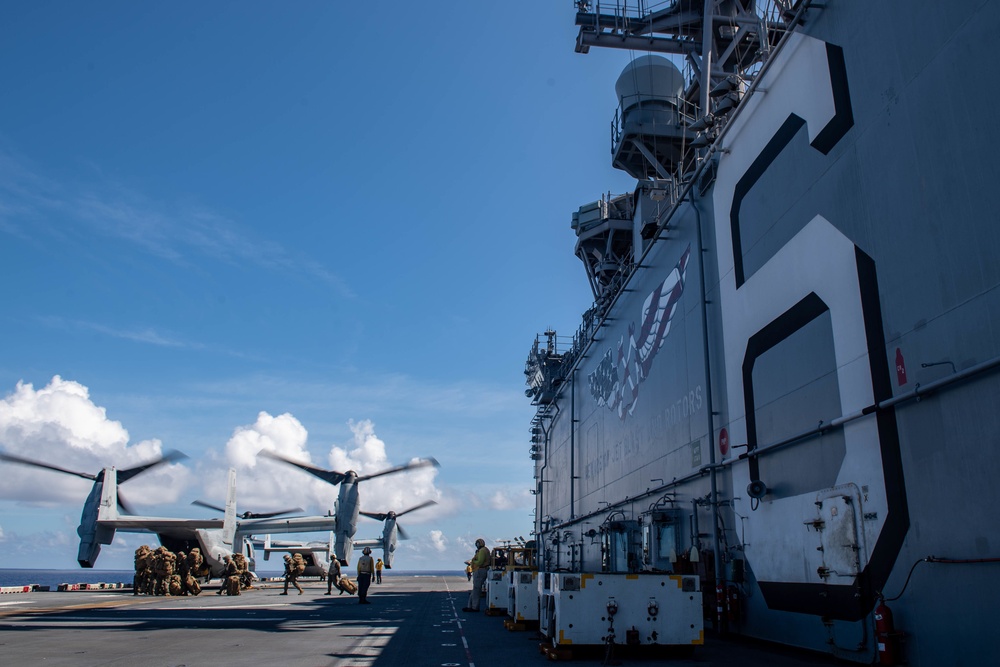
[(322, 227)]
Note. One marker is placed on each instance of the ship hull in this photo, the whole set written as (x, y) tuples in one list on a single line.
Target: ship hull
[(803, 369)]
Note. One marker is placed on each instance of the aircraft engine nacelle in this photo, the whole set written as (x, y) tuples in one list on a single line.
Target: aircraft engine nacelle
[(91, 540), (92, 535), (389, 534), (342, 547)]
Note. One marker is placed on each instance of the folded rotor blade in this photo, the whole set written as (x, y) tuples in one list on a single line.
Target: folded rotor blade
[(420, 463), (10, 458), (422, 505), (329, 476), (168, 457), (202, 503)]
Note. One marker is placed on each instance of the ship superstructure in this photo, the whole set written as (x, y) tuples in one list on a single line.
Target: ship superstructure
[(784, 397)]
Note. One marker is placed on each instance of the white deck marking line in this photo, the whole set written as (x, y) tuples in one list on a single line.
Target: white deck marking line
[(458, 622)]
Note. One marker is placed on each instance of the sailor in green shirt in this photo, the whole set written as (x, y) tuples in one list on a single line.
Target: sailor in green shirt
[(480, 564)]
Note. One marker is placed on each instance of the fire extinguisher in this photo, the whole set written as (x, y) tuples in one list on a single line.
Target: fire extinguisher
[(733, 603), (886, 635)]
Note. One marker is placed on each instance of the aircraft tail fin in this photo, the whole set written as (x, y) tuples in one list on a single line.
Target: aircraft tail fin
[(229, 520), (108, 509)]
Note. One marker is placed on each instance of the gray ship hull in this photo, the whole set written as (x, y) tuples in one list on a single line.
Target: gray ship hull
[(793, 392)]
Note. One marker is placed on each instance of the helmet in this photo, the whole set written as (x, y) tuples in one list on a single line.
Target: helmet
[(480, 543), (367, 551), (287, 557)]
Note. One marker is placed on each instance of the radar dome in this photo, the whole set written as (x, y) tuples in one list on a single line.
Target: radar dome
[(648, 78)]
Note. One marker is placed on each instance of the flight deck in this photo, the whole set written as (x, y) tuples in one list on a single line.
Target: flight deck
[(413, 620)]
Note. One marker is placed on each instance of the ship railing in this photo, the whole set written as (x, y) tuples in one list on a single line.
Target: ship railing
[(547, 368), (649, 111), (594, 315), (623, 13)]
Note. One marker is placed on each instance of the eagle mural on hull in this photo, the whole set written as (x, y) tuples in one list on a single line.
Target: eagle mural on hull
[(615, 382)]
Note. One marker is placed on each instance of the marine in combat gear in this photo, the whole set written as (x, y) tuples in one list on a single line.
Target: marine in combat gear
[(294, 567)]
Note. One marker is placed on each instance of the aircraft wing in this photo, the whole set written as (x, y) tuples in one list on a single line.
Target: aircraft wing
[(153, 524), (361, 544), (298, 524), (284, 545)]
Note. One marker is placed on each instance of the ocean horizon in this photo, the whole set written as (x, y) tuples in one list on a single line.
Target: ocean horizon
[(52, 578)]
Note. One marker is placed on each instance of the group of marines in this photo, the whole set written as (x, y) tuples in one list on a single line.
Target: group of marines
[(162, 572)]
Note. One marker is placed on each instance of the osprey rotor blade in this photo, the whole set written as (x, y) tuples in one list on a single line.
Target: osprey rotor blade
[(378, 516), (403, 535), (422, 505), (123, 504), (269, 515), (168, 457), (202, 503), (419, 463), (10, 458), (329, 476)]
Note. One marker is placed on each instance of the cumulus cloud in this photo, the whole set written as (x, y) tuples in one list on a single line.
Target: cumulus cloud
[(439, 541), (264, 484), (507, 498), (60, 425), (283, 434), (496, 498), (397, 492)]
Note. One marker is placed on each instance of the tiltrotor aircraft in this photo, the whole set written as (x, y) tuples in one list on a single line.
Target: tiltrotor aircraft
[(318, 555), (347, 507), (215, 537)]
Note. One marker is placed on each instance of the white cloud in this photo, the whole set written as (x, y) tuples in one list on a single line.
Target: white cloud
[(397, 492), (282, 434), (59, 425), (264, 484), (439, 541), (511, 499)]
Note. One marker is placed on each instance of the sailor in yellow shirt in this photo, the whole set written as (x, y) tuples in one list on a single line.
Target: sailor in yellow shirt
[(480, 564)]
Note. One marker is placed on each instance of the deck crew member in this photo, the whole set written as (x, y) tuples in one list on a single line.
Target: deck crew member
[(366, 568), (333, 577), (480, 567)]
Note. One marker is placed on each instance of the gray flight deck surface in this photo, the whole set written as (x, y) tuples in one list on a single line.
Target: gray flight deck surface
[(412, 621)]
